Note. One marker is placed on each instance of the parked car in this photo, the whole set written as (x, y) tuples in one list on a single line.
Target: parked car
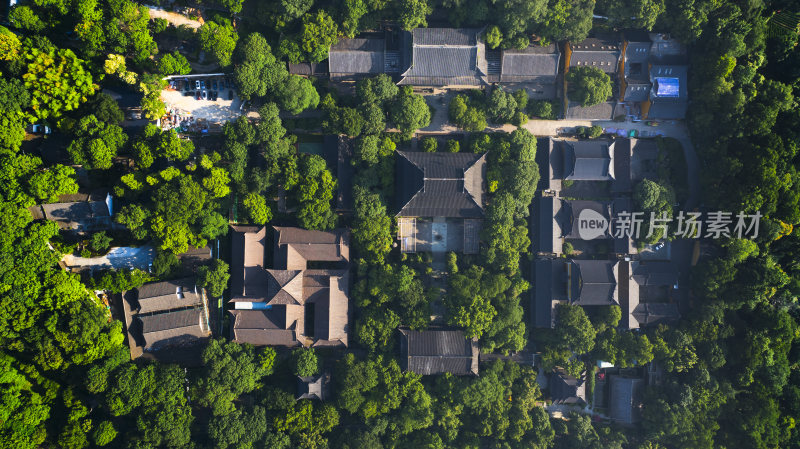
[(214, 85), (198, 95), (205, 95), (658, 246), (39, 129), (171, 84), (230, 95), (213, 95), (187, 86), (227, 83), (197, 84), (202, 84), (189, 93)]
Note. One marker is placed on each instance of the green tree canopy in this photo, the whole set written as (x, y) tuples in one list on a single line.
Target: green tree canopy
[(296, 94), (214, 277), (257, 71), (318, 34), (409, 111), (96, 143), (57, 80), (218, 41), (588, 85)]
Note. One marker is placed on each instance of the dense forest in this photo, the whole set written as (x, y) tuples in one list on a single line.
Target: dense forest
[(732, 365)]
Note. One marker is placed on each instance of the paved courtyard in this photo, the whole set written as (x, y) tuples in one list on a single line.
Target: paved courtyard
[(119, 257)]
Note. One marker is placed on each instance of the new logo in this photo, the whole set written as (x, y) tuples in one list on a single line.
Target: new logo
[(591, 224)]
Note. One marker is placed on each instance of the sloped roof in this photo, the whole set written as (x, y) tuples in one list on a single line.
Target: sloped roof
[(546, 281), (248, 278), (313, 387), (533, 62), (166, 295), (637, 52), (594, 282), (80, 211), (649, 314), (174, 326), (546, 232), (440, 184), (353, 56), (331, 314), (593, 52), (446, 56), (262, 327), (623, 151), (625, 399), (445, 36), (295, 246), (567, 390), (623, 244), (285, 287), (636, 91), (588, 160), (277, 315), (439, 351)]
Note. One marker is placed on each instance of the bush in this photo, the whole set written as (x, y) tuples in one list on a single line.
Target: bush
[(452, 262), (586, 132), (568, 249), (100, 241), (464, 114), (453, 146), (304, 362), (542, 109), (521, 96), (519, 119), (164, 263), (429, 145)]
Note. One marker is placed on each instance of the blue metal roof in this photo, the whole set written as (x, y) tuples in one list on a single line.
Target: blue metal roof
[(667, 87)]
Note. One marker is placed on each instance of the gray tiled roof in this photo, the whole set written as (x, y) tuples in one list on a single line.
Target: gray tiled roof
[(546, 277), (439, 351), (440, 184), (446, 56), (637, 52), (635, 92), (565, 389), (622, 165), (176, 326), (443, 62), (594, 282), (353, 56), (654, 313), (313, 387), (625, 399), (601, 53), (167, 295), (546, 237), (445, 36), (531, 63), (588, 160)]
